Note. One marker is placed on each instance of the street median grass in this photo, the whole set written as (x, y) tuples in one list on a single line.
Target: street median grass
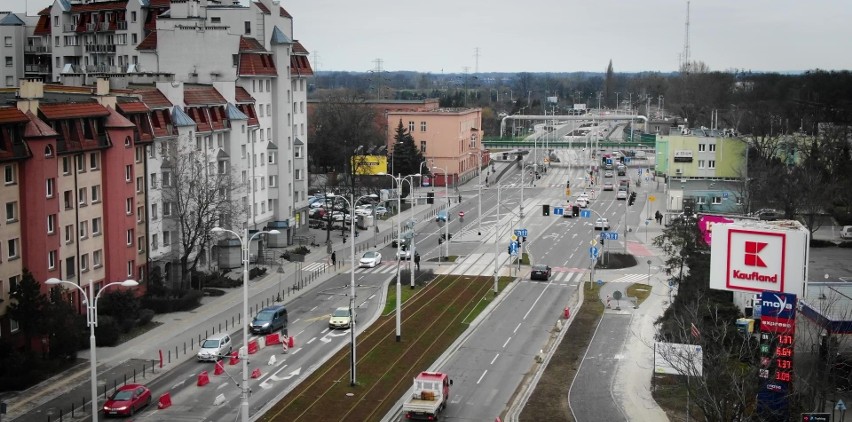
[(639, 291), (549, 400)]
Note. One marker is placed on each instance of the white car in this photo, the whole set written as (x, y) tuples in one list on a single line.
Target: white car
[(582, 202), (602, 224), (621, 194), (340, 318), (380, 211), (404, 253), (214, 348), (340, 216), (370, 259)]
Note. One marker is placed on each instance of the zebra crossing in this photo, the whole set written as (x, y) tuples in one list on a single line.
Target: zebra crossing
[(631, 278), (565, 279)]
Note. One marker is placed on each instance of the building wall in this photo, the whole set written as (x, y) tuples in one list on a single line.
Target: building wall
[(12, 41), (35, 206), (120, 222), (712, 157), (10, 268)]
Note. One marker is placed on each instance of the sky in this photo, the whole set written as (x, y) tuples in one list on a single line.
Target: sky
[(565, 35)]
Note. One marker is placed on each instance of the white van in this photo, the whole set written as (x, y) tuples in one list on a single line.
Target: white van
[(846, 232)]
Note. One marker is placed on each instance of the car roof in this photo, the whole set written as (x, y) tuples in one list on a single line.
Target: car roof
[(126, 387), (272, 308), (216, 336), (539, 266)]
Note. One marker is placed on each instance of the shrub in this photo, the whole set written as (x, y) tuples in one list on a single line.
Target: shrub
[(256, 272), (213, 292), (145, 316), (845, 244), (176, 301), (616, 260), (820, 243), (122, 306), (107, 332)]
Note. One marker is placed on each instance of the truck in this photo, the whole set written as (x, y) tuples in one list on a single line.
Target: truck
[(429, 396)]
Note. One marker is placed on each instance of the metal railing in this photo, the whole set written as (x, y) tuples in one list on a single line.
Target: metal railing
[(38, 49), (100, 48)]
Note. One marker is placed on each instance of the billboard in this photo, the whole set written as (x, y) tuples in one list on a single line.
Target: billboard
[(369, 165), (758, 257), (678, 359), (706, 222)]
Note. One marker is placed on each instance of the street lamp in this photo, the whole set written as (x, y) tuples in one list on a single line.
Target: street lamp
[(245, 243), (447, 223), (479, 195), (92, 322)]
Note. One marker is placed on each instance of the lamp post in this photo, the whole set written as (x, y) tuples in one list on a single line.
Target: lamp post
[(479, 195), (447, 223), (92, 322), (245, 243)]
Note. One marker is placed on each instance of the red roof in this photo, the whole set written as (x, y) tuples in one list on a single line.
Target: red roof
[(96, 7), (12, 115), (154, 98), (160, 3), (257, 64), (248, 110), (242, 96), (250, 44), (262, 8), (133, 107), (45, 11), (37, 128), (43, 25), (298, 48), (199, 116), (72, 110), (203, 95), (283, 13), (149, 43), (301, 66), (115, 119)]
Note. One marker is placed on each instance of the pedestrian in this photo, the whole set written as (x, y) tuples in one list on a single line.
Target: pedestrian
[(417, 260), (658, 217), (459, 198), (333, 259)]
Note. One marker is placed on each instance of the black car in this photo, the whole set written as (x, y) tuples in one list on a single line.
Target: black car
[(540, 272)]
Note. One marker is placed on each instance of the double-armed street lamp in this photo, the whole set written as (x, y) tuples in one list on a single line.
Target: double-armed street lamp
[(446, 223), (245, 243), (91, 300)]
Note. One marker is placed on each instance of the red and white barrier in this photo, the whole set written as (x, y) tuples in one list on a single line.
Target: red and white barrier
[(203, 379), (165, 401), (219, 369)]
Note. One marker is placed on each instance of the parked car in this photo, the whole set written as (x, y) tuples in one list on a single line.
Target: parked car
[(846, 232), (370, 259), (582, 202), (608, 173), (269, 319), (127, 400), (340, 318), (214, 348), (768, 214), (340, 216), (602, 224), (381, 211), (608, 186), (540, 272)]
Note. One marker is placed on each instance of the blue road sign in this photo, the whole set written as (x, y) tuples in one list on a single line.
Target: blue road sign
[(593, 252), (725, 195), (585, 214), (558, 211), (626, 160), (599, 282), (639, 171), (609, 235), (521, 232), (513, 248), (604, 236)]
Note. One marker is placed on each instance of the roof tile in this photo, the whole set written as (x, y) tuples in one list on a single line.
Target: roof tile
[(262, 8), (202, 95), (301, 66), (37, 128), (283, 13), (298, 48), (115, 119), (43, 25), (62, 111), (12, 115), (154, 99), (149, 43), (242, 96), (96, 7), (257, 64), (133, 107), (160, 3), (250, 44)]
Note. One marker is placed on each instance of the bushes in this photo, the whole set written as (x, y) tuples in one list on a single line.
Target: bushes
[(213, 292), (845, 244), (176, 301), (256, 272), (820, 243), (107, 332), (299, 250), (145, 316)]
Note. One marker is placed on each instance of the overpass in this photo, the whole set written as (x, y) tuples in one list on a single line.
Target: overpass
[(520, 143), (565, 118)]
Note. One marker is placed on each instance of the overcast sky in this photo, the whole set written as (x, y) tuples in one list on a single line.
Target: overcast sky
[(567, 35)]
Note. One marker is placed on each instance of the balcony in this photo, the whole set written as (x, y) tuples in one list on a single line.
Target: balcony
[(36, 68), (100, 48), (120, 25), (69, 27), (37, 49), (103, 68)]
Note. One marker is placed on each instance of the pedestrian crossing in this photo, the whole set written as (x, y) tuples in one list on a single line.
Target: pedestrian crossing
[(631, 278), (565, 279)]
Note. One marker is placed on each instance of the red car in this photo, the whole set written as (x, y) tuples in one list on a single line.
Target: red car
[(127, 400)]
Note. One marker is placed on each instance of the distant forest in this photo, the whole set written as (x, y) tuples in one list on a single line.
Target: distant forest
[(750, 103)]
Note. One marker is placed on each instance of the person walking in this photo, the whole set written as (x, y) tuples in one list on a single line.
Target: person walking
[(333, 259), (417, 260)]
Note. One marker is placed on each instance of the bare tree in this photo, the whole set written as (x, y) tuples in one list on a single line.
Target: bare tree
[(201, 194)]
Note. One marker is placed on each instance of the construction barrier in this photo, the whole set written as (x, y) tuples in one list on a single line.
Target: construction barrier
[(220, 368), (566, 313), (165, 401), (252, 347), (291, 341), (255, 374), (203, 379), (235, 358), (272, 339)]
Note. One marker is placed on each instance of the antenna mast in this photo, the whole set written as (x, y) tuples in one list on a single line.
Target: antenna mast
[(685, 63)]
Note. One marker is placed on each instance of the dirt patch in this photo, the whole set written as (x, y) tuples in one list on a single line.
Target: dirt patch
[(549, 400)]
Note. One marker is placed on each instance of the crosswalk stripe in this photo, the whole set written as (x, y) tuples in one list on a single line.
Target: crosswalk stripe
[(630, 278)]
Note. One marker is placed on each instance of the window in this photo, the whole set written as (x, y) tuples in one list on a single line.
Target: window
[(223, 167), (66, 166), (140, 183), (13, 325), (298, 152), (717, 200), (84, 229), (262, 159), (8, 61), (70, 268), (81, 196), (298, 174), (81, 164), (134, 38), (154, 213), (268, 112), (167, 211), (247, 27), (701, 164), (94, 161), (130, 266), (167, 179), (701, 200), (84, 262), (272, 157), (9, 174), (423, 126), (273, 181), (48, 151), (56, 21), (140, 214), (410, 126), (702, 147), (422, 146), (155, 241), (69, 233), (130, 237), (7, 41), (128, 206), (242, 151), (96, 226), (67, 198), (12, 248), (51, 223), (51, 260), (153, 180), (140, 244), (167, 238), (128, 173), (268, 89), (50, 187), (711, 164), (11, 211), (712, 147), (215, 19), (739, 200), (96, 194), (59, 62), (96, 258)]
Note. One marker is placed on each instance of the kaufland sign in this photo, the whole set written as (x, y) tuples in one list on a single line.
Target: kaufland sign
[(757, 257)]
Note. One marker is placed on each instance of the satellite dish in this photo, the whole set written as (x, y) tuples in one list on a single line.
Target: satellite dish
[(175, 84)]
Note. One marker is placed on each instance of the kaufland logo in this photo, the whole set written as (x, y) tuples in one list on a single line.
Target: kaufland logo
[(756, 259)]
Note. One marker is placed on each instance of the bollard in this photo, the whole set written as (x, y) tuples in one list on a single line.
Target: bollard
[(72, 410), (134, 375), (161, 360), (184, 347), (226, 325), (238, 318), (176, 352), (60, 415), (192, 343), (125, 379), (232, 320), (170, 355), (205, 336), (220, 327), (152, 365)]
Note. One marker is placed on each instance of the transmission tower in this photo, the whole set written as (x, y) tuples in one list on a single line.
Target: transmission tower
[(685, 61), (476, 55)]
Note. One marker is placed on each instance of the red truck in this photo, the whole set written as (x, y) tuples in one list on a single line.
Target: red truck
[(429, 398)]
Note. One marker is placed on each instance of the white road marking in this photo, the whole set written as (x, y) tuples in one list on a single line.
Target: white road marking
[(516, 328), (507, 342), (481, 377), (295, 320), (311, 340), (536, 300), (314, 308), (371, 297), (495, 358), (222, 385), (325, 330), (174, 387), (295, 351)]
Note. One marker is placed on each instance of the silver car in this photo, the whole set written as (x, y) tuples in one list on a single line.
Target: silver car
[(214, 348), (370, 259)]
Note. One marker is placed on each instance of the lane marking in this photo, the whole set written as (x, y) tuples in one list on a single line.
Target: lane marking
[(536, 300), (516, 328), (495, 358), (314, 308), (371, 297), (295, 351), (175, 387), (311, 340), (507, 342), (296, 320), (481, 377)]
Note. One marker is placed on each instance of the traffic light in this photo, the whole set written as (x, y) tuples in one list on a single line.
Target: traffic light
[(632, 198), (545, 210), (525, 239), (568, 184), (575, 211), (440, 240), (509, 248), (430, 197), (602, 241)]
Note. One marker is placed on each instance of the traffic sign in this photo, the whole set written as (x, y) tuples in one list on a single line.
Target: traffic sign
[(609, 235), (840, 405), (725, 195), (599, 282), (593, 252), (603, 236), (513, 248), (558, 211), (521, 232), (652, 198), (585, 214), (593, 242), (567, 192), (816, 417)]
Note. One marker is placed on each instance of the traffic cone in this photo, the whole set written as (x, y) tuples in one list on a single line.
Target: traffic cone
[(235, 359), (165, 401)]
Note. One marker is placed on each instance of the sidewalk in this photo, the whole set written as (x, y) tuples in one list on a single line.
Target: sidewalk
[(178, 334)]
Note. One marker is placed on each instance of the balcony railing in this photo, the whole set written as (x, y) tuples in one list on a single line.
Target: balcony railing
[(36, 68), (37, 49), (102, 68), (121, 25), (69, 27), (100, 48)]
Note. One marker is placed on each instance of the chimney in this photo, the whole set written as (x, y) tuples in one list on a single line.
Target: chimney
[(30, 91)]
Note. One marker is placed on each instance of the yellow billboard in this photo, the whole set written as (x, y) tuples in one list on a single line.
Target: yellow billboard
[(369, 165)]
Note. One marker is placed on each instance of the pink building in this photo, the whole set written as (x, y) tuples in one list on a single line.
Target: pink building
[(449, 138)]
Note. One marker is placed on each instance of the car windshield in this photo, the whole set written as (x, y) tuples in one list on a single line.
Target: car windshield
[(210, 344), (539, 268), (264, 316), (123, 395), (341, 312), (370, 255)]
